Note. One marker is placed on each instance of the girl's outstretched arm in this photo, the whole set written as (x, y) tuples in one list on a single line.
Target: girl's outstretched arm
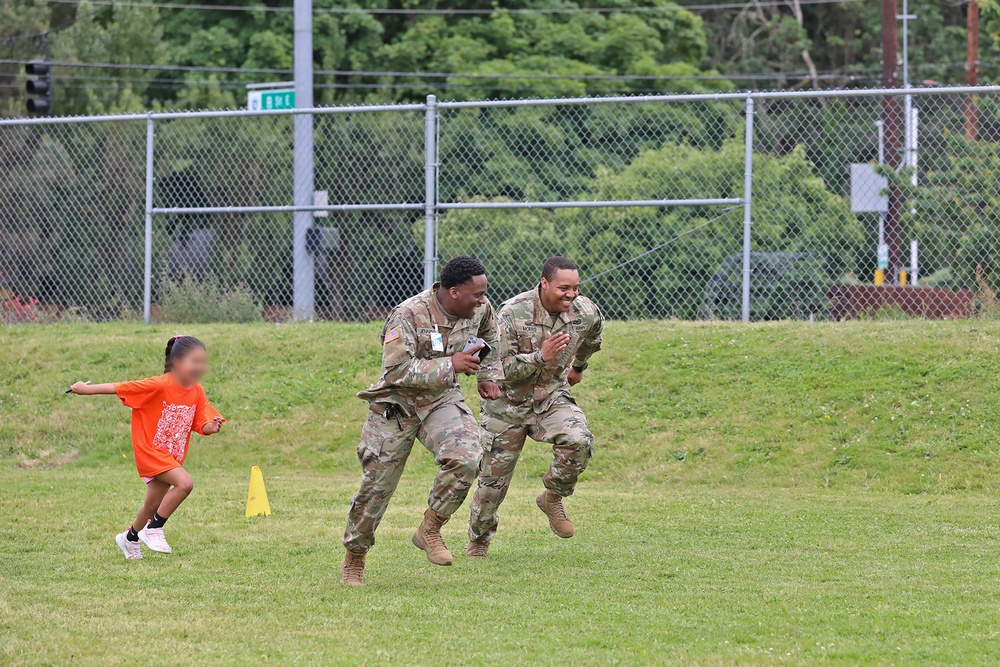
[(85, 389)]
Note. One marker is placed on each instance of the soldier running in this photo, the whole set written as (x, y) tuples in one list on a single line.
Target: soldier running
[(547, 334), (418, 396)]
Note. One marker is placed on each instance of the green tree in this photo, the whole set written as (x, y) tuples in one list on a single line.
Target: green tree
[(955, 211), (842, 39), (23, 24), (121, 35), (650, 262)]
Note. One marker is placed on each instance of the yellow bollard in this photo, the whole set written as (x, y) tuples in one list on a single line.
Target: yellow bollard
[(902, 276), (879, 277)]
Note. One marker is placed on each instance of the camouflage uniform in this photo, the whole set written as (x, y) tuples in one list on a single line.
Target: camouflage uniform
[(535, 402), (418, 396)]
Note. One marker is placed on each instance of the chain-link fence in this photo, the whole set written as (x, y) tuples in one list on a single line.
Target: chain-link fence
[(848, 204)]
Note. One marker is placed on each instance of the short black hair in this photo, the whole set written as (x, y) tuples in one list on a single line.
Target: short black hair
[(553, 264), (461, 270)]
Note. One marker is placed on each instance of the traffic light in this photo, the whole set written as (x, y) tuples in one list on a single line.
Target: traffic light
[(40, 88)]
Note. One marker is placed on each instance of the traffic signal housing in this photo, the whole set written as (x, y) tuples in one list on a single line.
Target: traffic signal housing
[(40, 88)]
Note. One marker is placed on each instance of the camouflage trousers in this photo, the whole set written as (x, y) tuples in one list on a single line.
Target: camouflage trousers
[(563, 424), (451, 434)]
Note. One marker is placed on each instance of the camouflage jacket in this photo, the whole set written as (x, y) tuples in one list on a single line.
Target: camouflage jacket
[(415, 376), (528, 382)]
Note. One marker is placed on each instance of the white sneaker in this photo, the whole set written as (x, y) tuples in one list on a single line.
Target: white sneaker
[(153, 538), (131, 550)]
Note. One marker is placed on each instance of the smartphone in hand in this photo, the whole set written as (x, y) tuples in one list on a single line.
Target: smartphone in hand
[(482, 352)]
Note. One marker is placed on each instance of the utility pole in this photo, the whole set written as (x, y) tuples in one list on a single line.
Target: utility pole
[(303, 263), (972, 69), (890, 136)]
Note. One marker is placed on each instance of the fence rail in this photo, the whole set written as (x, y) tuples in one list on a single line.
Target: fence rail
[(752, 206)]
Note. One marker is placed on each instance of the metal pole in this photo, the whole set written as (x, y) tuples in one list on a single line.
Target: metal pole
[(906, 43), (972, 69), (303, 266), (881, 160), (907, 100), (909, 124), (147, 284), (430, 196), (747, 205)]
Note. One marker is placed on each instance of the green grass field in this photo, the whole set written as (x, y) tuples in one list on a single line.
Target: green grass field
[(765, 494)]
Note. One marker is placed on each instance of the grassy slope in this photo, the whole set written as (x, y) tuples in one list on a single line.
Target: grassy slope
[(764, 494), (898, 406)]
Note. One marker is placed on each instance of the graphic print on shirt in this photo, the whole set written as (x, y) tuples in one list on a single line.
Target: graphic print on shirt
[(173, 429)]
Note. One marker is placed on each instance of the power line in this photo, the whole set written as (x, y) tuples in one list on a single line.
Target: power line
[(725, 6), (828, 74), (173, 68), (126, 79), (77, 83)]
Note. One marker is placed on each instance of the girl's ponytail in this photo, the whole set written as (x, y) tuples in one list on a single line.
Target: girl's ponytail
[(177, 347)]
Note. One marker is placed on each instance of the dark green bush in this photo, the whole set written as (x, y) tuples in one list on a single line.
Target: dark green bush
[(199, 301)]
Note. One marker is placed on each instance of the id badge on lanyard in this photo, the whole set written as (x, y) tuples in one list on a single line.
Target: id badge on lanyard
[(437, 342)]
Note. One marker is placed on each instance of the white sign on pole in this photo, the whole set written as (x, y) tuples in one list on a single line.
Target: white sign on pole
[(868, 190), (321, 198)]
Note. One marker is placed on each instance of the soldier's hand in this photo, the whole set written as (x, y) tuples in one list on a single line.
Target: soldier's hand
[(489, 390), (553, 345), (574, 376), (466, 362)]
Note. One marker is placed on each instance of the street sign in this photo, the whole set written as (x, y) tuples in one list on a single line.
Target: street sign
[(883, 256), (282, 98)]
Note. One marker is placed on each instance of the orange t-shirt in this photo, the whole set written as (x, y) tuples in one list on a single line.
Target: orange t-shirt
[(163, 416)]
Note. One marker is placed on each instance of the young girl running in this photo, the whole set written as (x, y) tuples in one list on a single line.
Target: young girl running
[(165, 410)]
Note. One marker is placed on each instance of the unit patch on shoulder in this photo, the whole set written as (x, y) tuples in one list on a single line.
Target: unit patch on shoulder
[(392, 335)]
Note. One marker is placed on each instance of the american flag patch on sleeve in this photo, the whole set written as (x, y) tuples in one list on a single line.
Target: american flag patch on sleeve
[(392, 335)]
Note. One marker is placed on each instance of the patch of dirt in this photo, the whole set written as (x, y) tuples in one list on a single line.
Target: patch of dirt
[(48, 459)]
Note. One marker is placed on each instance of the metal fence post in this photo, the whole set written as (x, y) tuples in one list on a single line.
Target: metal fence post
[(303, 262), (430, 194), (147, 285), (747, 205)]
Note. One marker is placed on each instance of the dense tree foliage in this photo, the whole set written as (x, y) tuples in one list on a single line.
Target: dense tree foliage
[(666, 262), (842, 40), (364, 55), (358, 55), (650, 262)]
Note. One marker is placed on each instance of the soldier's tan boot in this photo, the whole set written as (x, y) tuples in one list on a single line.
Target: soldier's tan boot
[(352, 572), (552, 506), (477, 549), (428, 537)]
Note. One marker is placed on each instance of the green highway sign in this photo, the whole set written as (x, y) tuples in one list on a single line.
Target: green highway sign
[(283, 98)]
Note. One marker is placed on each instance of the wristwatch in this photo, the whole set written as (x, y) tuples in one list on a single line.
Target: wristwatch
[(581, 368)]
